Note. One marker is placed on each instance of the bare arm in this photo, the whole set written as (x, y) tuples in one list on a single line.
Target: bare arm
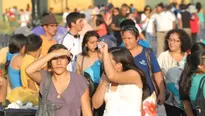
[(31, 85), (98, 97), (33, 69), (160, 84), (142, 36), (132, 76), (188, 108), (85, 101)]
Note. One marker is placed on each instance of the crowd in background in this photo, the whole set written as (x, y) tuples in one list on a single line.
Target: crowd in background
[(102, 64)]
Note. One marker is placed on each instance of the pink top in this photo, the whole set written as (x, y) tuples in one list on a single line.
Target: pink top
[(102, 31)]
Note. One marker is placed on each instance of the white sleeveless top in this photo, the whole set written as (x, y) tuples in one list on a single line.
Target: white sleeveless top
[(126, 101)]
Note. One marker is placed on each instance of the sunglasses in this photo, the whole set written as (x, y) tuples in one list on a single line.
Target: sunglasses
[(129, 28)]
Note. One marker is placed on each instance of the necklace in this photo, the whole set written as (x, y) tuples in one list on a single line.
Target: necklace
[(58, 96)]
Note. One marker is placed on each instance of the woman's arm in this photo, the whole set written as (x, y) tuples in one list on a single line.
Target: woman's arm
[(160, 84), (98, 97), (85, 101), (188, 108), (31, 85), (132, 76), (33, 69)]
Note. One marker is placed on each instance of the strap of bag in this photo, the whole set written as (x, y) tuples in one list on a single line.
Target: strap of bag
[(147, 25), (46, 87), (147, 54)]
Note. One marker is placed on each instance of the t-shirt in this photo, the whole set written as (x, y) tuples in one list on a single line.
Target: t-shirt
[(141, 62), (3, 53), (46, 45), (69, 104), (172, 71), (196, 78), (75, 47), (27, 60), (102, 31), (194, 23), (148, 25)]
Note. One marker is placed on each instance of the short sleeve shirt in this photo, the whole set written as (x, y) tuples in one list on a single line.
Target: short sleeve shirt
[(141, 62), (69, 104)]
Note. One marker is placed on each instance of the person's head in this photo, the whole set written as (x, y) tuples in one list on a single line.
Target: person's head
[(160, 7), (21, 11), (89, 42), (198, 47), (177, 40), (58, 65), (100, 20), (116, 11), (130, 36), (147, 9), (49, 24), (17, 43), (131, 16), (123, 10), (183, 6), (75, 21), (122, 60), (33, 44), (195, 65), (198, 6)]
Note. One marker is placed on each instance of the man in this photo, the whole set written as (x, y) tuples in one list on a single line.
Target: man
[(24, 19), (32, 52), (50, 26), (115, 25), (165, 21), (73, 40)]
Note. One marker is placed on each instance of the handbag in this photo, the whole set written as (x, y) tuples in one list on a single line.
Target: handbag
[(46, 107), (147, 54)]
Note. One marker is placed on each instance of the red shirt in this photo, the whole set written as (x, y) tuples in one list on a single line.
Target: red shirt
[(194, 23)]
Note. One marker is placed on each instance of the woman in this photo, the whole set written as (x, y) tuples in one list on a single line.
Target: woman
[(185, 97), (200, 13), (172, 62), (123, 83), (88, 62), (14, 58), (99, 25), (148, 25), (191, 77), (130, 39), (68, 91)]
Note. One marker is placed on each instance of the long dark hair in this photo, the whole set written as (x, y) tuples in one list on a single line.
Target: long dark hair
[(100, 20), (16, 43), (85, 40), (122, 55), (56, 47), (191, 67)]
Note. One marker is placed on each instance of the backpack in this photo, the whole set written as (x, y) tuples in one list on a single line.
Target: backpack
[(200, 100)]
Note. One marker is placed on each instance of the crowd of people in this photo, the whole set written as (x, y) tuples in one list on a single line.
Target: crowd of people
[(111, 61)]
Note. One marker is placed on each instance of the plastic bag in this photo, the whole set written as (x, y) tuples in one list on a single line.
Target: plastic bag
[(24, 95), (150, 106)]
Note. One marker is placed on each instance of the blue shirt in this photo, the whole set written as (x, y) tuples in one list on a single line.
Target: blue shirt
[(143, 43), (14, 75), (196, 78), (141, 62)]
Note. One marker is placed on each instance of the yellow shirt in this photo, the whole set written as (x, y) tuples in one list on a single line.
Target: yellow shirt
[(27, 60), (3, 53), (46, 45)]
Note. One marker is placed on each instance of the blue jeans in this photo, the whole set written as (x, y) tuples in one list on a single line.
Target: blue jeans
[(152, 41)]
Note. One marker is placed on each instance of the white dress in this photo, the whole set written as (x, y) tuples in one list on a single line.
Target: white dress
[(125, 101)]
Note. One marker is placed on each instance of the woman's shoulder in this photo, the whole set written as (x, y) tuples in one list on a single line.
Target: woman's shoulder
[(164, 54)]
